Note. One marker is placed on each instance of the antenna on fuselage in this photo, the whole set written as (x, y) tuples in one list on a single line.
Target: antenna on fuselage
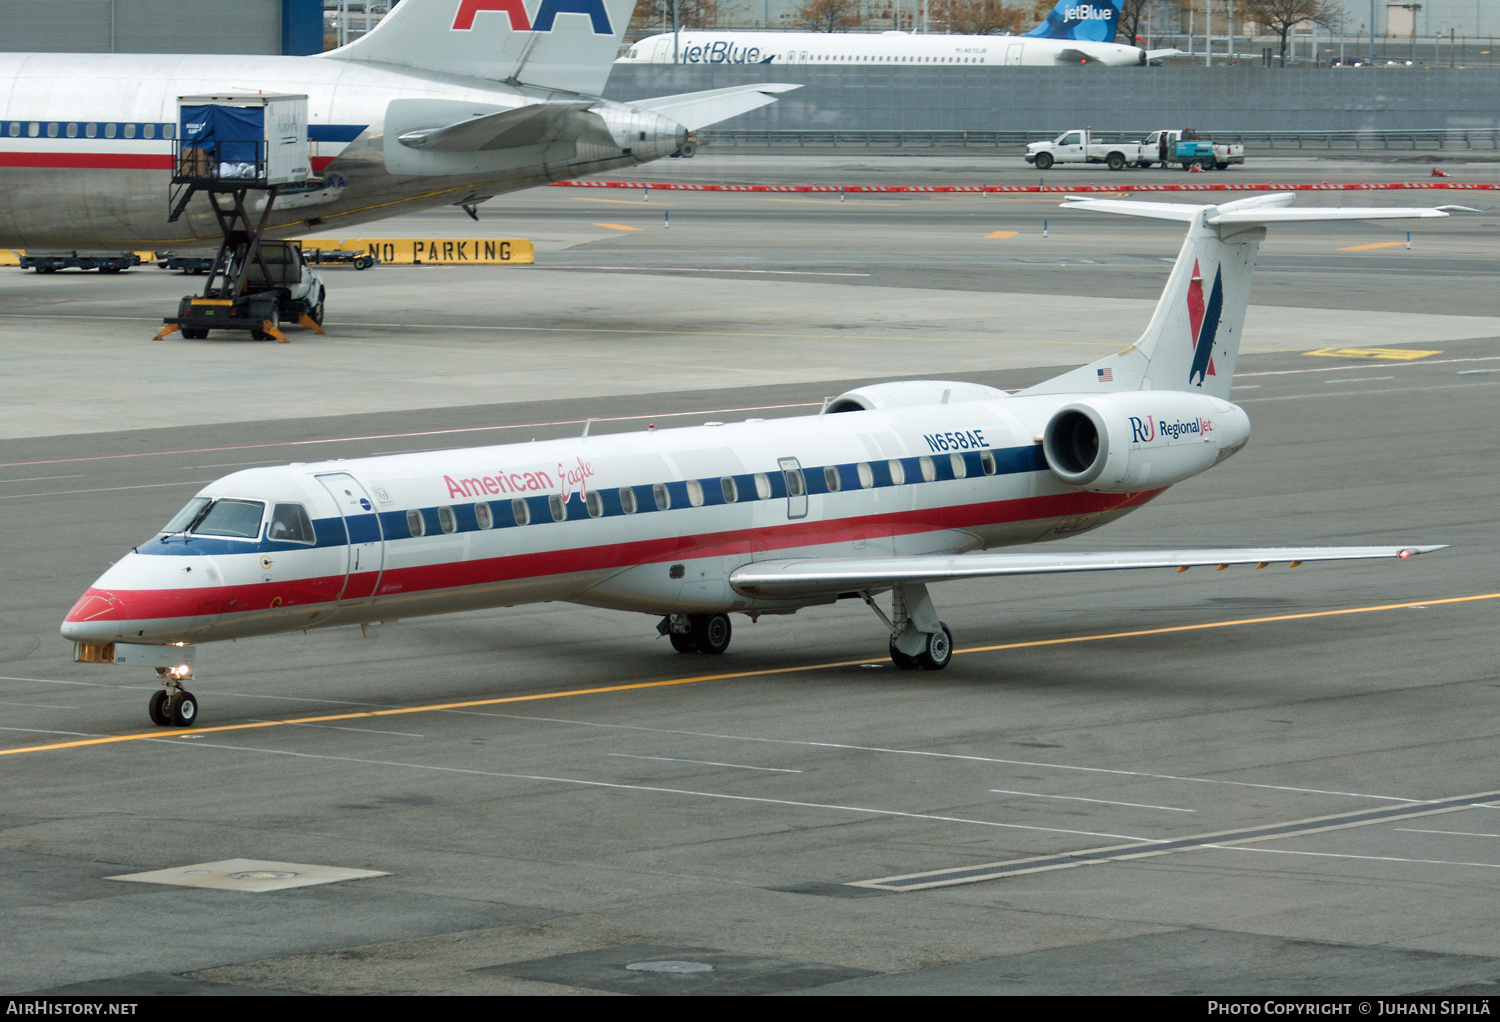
[(586, 424)]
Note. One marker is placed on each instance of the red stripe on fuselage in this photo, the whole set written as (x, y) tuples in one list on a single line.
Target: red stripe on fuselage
[(88, 161), (157, 604)]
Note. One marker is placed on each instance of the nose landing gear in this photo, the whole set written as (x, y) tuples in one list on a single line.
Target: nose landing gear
[(173, 705)]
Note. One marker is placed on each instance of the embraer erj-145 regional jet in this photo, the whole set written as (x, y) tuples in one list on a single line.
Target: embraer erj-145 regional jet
[(1074, 33), (444, 102), (891, 488)]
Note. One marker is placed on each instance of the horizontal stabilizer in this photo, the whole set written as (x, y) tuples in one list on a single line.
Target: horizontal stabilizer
[(793, 579), (527, 125), (694, 110), (1263, 209)]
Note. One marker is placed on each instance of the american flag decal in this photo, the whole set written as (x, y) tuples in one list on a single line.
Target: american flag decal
[(1106, 375)]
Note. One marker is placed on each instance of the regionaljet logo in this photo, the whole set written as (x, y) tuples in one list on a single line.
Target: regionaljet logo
[(1204, 323), (546, 14)]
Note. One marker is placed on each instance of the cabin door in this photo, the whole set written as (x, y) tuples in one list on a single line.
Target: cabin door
[(1013, 54), (796, 487), (362, 533)]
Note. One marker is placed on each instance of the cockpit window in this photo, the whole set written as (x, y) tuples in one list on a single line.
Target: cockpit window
[(290, 524), (238, 519), (183, 520)]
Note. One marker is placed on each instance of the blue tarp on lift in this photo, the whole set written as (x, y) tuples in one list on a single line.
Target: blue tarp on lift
[(237, 132)]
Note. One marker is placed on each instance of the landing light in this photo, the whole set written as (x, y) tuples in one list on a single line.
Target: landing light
[(1404, 554)]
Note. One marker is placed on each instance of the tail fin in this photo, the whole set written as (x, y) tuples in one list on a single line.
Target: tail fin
[(1094, 20), (1193, 338), (554, 44)]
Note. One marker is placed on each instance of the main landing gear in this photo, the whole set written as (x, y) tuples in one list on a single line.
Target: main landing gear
[(918, 638), (173, 705), (697, 633)]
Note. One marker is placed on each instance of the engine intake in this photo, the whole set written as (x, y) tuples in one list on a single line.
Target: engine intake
[(1123, 443)]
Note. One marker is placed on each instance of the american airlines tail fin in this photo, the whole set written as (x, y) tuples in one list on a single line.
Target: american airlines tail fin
[(554, 44), (1193, 339), (1093, 20)]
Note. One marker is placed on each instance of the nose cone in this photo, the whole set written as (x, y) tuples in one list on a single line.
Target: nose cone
[(98, 614)]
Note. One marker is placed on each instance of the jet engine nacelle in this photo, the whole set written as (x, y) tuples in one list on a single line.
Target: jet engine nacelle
[(912, 394), (1122, 443)]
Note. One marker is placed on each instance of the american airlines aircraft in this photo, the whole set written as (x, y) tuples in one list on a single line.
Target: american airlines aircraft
[(890, 489), (444, 102), (1074, 33)]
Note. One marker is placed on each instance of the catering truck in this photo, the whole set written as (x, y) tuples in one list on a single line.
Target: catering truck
[(1080, 145)]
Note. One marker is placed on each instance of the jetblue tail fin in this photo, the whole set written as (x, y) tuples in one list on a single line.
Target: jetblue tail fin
[(1193, 339), (1093, 20), (555, 44)]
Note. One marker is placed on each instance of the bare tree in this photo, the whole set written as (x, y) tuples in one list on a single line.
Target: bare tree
[(650, 15), (831, 15), (1131, 12), (1281, 16), (980, 17)]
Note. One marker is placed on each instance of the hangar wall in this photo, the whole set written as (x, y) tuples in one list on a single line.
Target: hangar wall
[(1124, 99), (160, 26)]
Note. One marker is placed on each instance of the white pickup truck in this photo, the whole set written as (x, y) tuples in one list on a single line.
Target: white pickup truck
[(1200, 152), (1080, 146)]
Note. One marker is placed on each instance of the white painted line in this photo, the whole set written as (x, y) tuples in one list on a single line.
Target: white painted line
[(1399, 365), (54, 681), (695, 269), (1360, 379), (44, 731), (365, 730), (706, 762), (107, 489), (945, 755), (1336, 855), (1455, 833), (43, 479), (1100, 801), (1367, 393), (40, 706), (583, 782)]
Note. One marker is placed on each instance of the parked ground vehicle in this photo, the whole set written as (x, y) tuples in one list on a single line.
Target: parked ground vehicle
[(187, 264), (1192, 152), (279, 287), (104, 262), (1082, 146)]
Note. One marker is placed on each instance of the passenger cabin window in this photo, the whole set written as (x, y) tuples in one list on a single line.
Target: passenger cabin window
[(90, 130), (960, 469), (109, 131), (695, 492), (662, 496), (627, 500), (595, 504), (866, 474), (729, 489), (557, 507), (987, 461), (183, 520), (72, 130), (483, 516), (898, 471), (52, 129), (446, 519), (762, 486), (831, 478), (929, 470), (415, 524), (234, 519), (290, 524), (130, 131), (32, 129), (15, 128), (520, 511), (796, 485), (149, 131)]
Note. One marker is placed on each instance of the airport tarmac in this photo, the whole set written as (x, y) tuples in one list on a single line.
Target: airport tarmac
[(551, 795)]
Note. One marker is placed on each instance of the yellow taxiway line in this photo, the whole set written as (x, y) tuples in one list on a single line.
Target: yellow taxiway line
[(1370, 247), (727, 676)]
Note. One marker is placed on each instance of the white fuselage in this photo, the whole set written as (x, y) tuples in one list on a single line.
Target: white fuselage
[(86, 144), (883, 49), (654, 521)]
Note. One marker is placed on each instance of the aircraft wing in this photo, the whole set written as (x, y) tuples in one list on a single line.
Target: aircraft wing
[(526, 125), (694, 110), (792, 579), (1160, 54)]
